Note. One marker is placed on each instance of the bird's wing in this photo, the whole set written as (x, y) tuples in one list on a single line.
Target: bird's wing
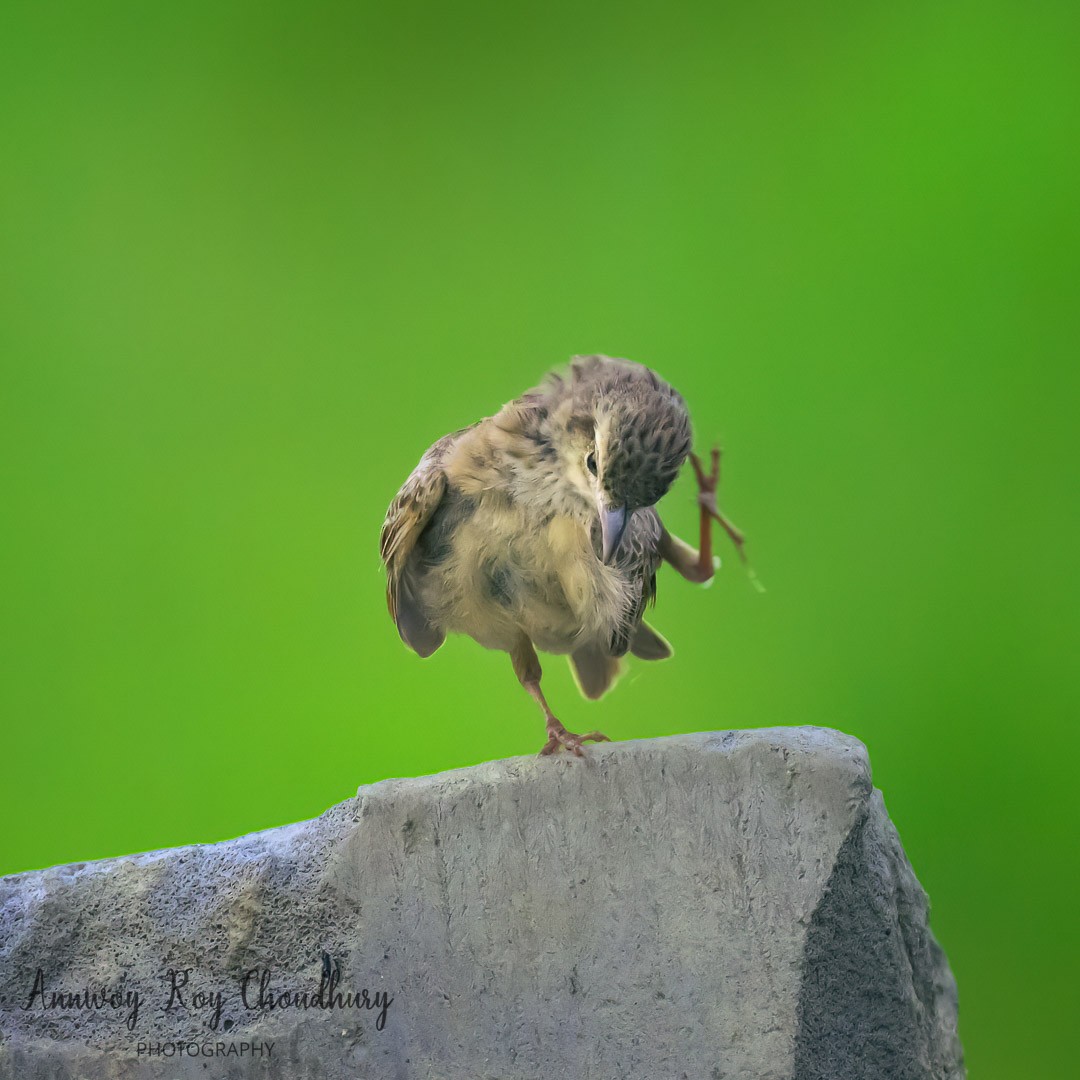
[(638, 557), (408, 514)]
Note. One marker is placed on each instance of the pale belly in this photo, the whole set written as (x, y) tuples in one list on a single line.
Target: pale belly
[(504, 575)]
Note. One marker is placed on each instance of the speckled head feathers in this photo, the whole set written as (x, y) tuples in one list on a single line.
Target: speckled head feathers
[(641, 424)]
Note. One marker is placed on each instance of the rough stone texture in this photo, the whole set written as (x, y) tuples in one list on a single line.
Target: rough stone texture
[(730, 906)]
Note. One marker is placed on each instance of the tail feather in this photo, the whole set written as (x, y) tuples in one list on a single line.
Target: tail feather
[(416, 630), (595, 672), (647, 644)]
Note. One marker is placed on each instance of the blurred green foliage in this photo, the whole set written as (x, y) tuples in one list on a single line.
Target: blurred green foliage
[(254, 258)]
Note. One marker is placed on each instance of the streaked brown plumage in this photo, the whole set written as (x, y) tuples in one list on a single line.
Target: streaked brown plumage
[(536, 528)]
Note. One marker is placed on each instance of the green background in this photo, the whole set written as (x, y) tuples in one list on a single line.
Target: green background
[(254, 259)]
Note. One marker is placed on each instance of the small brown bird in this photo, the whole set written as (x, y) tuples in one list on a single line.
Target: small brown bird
[(536, 528)]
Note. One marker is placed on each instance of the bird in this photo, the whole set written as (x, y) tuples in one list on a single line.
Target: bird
[(536, 529)]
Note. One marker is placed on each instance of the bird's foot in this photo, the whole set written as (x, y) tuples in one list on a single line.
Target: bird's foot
[(558, 737), (707, 485)]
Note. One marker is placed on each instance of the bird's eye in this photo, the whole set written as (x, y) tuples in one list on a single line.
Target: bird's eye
[(590, 461)]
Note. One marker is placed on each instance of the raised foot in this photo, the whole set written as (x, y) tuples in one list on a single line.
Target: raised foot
[(558, 737), (707, 485)]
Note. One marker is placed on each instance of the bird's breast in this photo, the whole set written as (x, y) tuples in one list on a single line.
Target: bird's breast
[(511, 571)]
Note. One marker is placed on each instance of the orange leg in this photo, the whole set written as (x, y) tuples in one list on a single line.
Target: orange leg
[(527, 668)]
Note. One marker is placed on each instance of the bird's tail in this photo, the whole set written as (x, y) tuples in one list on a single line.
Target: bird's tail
[(595, 672), (650, 644)]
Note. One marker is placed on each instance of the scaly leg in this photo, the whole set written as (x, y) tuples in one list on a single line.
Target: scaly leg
[(527, 668), (694, 565)]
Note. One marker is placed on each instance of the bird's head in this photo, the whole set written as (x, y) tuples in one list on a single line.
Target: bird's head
[(626, 435)]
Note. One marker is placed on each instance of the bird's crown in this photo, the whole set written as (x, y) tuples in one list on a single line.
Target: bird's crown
[(640, 424)]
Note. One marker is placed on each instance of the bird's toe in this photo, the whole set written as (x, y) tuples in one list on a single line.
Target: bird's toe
[(559, 737)]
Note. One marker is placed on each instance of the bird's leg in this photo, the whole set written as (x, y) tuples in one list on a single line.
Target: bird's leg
[(528, 670), (698, 565), (707, 486)]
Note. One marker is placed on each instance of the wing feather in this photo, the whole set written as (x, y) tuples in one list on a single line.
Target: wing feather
[(638, 557), (406, 518)]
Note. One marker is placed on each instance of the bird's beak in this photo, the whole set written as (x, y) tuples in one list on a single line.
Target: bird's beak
[(612, 527)]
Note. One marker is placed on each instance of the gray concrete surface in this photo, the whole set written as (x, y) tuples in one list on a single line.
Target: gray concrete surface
[(728, 905)]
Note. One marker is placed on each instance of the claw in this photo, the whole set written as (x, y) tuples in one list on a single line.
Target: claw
[(696, 462), (558, 737), (707, 485)]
